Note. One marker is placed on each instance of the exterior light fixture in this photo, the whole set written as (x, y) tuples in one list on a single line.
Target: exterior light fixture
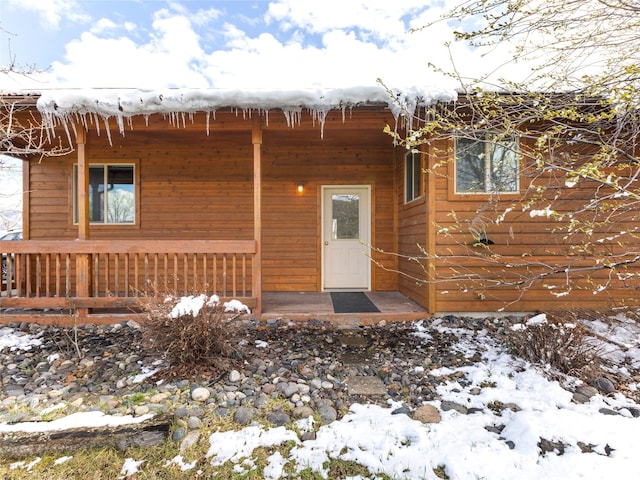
[(300, 188)]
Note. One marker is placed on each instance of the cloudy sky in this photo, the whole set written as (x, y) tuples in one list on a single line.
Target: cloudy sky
[(226, 44)]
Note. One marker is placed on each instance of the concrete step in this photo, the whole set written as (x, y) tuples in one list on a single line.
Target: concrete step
[(361, 385)]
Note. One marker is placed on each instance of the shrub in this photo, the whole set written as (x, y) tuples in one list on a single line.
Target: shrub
[(195, 333), (561, 343)]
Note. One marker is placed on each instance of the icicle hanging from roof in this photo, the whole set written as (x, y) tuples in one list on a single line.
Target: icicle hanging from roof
[(63, 106)]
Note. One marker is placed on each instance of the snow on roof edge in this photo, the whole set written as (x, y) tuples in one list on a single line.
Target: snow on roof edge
[(125, 103), (139, 101), (67, 106)]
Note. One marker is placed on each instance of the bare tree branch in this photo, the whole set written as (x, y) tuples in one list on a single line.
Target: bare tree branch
[(577, 122)]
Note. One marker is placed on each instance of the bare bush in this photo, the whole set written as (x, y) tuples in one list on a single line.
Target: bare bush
[(192, 340), (558, 341)]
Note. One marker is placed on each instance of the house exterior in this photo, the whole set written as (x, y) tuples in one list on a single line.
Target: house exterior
[(242, 193)]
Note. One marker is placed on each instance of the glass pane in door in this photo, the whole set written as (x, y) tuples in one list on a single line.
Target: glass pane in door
[(346, 217)]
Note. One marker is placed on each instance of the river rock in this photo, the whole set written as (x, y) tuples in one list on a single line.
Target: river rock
[(200, 394), (604, 385), (244, 415), (303, 412), (327, 413), (427, 414), (279, 418)]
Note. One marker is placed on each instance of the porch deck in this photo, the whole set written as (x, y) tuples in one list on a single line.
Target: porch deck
[(277, 306), (102, 281), (306, 306)]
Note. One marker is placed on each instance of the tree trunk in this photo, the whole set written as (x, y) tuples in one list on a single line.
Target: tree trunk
[(146, 434)]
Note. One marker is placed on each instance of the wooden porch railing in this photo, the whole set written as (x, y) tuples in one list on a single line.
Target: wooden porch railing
[(60, 274)]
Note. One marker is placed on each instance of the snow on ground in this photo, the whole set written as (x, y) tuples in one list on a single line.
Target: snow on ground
[(16, 340), (622, 345), (400, 447), (75, 420), (462, 445), (192, 304)]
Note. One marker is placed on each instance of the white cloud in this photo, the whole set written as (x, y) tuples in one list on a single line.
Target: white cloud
[(94, 62), (177, 36), (52, 12), (308, 44), (102, 25), (236, 38), (129, 26), (381, 18), (170, 57), (202, 16)]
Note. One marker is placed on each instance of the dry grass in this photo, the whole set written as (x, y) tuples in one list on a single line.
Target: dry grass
[(107, 464), (561, 342), (193, 345)]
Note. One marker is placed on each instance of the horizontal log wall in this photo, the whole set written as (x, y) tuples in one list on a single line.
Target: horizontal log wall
[(291, 221), (412, 237), (195, 185), (468, 274)]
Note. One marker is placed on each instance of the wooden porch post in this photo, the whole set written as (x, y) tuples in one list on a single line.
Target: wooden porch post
[(83, 263), (431, 211), (256, 139), (26, 199)]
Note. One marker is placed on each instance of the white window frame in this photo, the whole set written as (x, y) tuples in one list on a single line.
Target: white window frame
[(491, 141), (105, 166)]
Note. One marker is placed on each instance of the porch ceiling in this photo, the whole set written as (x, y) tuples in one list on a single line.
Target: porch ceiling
[(228, 119), (355, 128)]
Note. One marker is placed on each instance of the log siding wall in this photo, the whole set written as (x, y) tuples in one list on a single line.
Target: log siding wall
[(412, 235), (195, 185), (522, 238), (198, 186)]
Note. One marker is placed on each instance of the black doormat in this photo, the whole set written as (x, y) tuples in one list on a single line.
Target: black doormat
[(352, 302)]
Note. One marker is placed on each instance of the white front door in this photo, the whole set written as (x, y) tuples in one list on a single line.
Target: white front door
[(346, 221)]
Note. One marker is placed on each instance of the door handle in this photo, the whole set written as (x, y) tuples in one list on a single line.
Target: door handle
[(326, 242)]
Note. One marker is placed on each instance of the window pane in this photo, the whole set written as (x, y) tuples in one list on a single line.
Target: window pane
[(346, 217), (111, 194), (413, 176), (417, 175), (120, 194), (408, 177), (96, 194), (470, 165), (504, 166)]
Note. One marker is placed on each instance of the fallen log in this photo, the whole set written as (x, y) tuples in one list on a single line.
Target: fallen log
[(16, 444)]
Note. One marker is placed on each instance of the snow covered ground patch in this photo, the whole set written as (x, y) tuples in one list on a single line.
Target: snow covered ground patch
[(541, 433), (75, 420), (17, 340), (500, 418)]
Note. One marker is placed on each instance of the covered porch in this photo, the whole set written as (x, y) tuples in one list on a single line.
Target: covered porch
[(69, 282), (393, 306), (277, 308), (84, 277), (239, 207)]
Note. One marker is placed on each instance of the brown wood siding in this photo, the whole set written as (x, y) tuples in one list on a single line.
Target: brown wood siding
[(291, 221), (191, 187), (199, 186), (523, 239), (412, 237), (49, 210), (194, 185)]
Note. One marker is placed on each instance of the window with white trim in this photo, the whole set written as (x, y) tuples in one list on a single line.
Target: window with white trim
[(488, 163), (412, 177), (111, 194)]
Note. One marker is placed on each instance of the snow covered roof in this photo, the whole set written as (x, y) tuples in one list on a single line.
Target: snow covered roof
[(61, 106)]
